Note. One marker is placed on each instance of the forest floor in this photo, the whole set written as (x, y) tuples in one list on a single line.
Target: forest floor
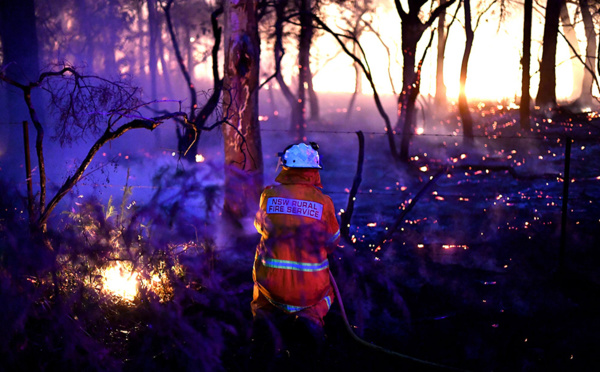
[(471, 278)]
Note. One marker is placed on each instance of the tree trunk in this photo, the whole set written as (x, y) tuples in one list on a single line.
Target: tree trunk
[(313, 98), (585, 98), (242, 143), (525, 81), (412, 30), (307, 24), (278, 52), (440, 88), (463, 104), (153, 33), (358, 29), (304, 41), (546, 96), (407, 98)]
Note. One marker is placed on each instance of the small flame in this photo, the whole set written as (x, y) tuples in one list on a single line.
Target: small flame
[(200, 158), (120, 281)]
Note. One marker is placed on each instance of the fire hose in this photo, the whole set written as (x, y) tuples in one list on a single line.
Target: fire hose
[(376, 347)]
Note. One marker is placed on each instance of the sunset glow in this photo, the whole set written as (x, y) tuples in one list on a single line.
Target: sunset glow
[(494, 71)]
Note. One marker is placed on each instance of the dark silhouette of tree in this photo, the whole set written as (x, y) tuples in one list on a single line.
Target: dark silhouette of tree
[(297, 15), (546, 95), (242, 144), (440, 99), (306, 38), (187, 136), (412, 31), (304, 73), (524, 109), (278, 53), (463, 104)]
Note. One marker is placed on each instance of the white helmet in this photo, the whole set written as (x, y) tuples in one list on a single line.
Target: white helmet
[(301, 156)]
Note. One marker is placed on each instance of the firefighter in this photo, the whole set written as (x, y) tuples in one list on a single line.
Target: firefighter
[(298, 228)]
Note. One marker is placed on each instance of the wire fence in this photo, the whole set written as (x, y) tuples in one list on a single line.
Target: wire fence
[(518, 176)]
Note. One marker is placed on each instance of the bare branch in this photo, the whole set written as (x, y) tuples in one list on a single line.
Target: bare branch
[(108, 136)]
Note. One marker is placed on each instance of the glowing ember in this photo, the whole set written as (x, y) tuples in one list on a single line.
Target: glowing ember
[(120, 281), (420, 131), (449, 246), (423, 168), (372, 224), (200, 158)]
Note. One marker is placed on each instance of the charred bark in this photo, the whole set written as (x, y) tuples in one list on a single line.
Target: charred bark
[(412, 31), (242, 143), (546, 96), (463, 104)]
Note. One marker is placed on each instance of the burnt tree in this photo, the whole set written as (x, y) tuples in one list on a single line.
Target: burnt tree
[(546, 95), (526, 62), (463, 104), (412, 31), (242, 143)]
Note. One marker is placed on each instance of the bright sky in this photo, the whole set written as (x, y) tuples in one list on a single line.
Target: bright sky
[(494, 66)]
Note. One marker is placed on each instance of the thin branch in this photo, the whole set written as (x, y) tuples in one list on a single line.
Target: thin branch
[(108, 136), (576, 54), (182, 67), (367, 73), (410, 206)]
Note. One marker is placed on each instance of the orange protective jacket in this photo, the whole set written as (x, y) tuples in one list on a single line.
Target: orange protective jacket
[(299, 228)]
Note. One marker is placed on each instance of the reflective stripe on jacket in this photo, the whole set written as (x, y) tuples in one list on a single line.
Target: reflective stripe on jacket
[(299, 228)]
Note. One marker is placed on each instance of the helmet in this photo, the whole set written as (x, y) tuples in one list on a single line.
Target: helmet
[(301, 156)]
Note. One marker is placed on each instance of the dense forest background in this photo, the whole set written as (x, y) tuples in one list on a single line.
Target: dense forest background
[(460, 143)]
